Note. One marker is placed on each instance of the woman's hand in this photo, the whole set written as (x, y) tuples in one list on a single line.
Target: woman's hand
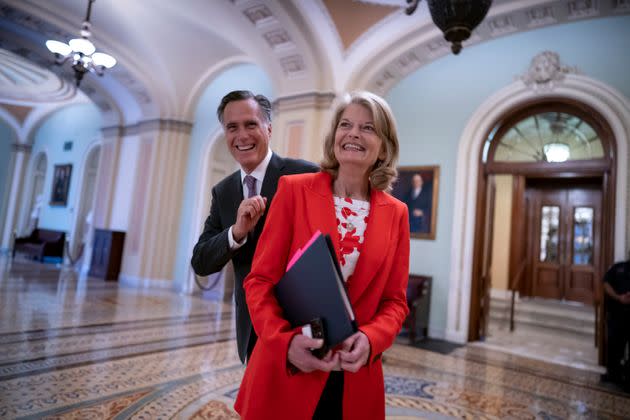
[(355, 351), (300, 355)]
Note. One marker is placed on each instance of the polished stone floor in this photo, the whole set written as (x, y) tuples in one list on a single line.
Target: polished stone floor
[(81, 348)]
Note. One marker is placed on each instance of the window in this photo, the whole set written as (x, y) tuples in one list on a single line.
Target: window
[(548, 137)]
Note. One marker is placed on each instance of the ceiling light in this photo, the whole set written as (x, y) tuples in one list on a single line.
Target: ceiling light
[(456, 18), (556, 152), (80, 51)]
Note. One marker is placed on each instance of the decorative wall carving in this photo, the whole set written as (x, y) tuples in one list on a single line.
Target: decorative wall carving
[(545, 71), (583, 8), (258, 14), (501, 25), (540, 16)]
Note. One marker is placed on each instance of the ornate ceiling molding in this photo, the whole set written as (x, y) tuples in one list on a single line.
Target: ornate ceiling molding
[(276, 36), (15, 22), (22, 81)]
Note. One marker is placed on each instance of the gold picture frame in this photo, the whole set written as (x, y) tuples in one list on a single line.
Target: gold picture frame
[(61, 185)]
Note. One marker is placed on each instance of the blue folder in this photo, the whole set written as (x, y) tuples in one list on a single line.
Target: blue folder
[(313, 287)]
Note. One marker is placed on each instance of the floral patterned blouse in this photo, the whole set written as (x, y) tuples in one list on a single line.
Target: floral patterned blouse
[(352, 219)]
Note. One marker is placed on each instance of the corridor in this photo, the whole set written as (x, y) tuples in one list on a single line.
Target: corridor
[(74, 347)]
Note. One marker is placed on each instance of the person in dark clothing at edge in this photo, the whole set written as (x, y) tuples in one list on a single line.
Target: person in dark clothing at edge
[(239, 201), (617, 295)]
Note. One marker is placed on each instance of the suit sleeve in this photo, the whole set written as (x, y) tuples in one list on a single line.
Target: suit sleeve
[(383, 328), (269, 264), (212, 250)]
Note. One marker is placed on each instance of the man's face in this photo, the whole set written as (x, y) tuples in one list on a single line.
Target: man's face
[(416, 181), (246, 132)]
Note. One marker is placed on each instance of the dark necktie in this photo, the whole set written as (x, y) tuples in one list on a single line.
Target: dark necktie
[(250, 181)]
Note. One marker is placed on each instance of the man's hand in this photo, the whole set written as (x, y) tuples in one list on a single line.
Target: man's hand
[(418, 213), (300, 355), (355, 351), (625, 298), (248, 214)]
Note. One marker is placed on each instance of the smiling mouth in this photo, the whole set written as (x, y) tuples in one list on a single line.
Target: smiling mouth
[(353, 147), (244, 147)]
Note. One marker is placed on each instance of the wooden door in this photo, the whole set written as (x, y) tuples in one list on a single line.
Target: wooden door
[(564, 238)]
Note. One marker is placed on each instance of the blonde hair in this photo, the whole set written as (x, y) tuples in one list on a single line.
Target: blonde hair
[(384, 172)]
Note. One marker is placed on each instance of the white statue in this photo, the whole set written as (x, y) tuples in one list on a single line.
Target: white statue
[(34, 216)]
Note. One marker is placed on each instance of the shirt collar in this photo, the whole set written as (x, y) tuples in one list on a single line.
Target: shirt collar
[(261, 169)]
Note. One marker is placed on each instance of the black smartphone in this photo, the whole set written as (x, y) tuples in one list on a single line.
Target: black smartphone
[(317, 331)]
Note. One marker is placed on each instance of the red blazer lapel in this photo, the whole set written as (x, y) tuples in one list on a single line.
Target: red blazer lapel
[(374, 250), (321, 216), (321, 208)]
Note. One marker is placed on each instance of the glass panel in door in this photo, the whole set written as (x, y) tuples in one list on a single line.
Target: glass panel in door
[(583, 235), (549, 225)]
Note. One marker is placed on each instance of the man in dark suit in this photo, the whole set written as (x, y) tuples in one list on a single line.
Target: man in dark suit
[(617, 304), (239, 201), (418, 200)]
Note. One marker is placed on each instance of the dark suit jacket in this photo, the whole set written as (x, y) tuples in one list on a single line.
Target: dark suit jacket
[(212, 250), (421, 202)]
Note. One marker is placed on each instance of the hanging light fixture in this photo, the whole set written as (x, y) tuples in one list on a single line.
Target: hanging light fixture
[(456, 18), (81, 52)]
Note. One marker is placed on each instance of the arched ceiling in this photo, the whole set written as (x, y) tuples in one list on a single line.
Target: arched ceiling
[(168, 51), (22, 81)]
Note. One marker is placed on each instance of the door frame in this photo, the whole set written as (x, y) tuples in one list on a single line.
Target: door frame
[(604, 168)]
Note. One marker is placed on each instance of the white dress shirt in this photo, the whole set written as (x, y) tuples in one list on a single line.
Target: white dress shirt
[(259, 174)]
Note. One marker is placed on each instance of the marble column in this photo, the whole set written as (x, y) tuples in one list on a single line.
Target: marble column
[(20, 154), (158, 159)]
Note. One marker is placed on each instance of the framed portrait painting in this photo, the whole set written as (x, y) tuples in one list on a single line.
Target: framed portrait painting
[(417, 186), (61, 185)]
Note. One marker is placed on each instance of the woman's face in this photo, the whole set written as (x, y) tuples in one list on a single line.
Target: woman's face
[(356, 142)]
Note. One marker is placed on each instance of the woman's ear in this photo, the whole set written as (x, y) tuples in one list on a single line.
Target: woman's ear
[(383, 153)]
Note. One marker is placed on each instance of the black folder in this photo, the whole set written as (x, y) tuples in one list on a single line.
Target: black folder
[(313, 287)]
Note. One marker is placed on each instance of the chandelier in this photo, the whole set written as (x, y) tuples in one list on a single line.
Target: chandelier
[(456, 18), (81, 52)]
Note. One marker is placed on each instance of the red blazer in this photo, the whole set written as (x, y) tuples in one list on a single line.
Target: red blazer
[(303, 205)]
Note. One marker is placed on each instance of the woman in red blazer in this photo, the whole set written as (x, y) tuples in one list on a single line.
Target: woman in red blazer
[(370, 230)]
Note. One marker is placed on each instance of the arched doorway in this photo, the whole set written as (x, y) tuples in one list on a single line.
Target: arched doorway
[(83, 232), (35, 195), (560, 155)]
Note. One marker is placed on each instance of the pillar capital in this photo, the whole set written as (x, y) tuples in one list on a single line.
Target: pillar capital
[(21, 147)]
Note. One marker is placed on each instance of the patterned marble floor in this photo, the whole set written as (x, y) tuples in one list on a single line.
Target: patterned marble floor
[(81, 348), (552, 345)]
